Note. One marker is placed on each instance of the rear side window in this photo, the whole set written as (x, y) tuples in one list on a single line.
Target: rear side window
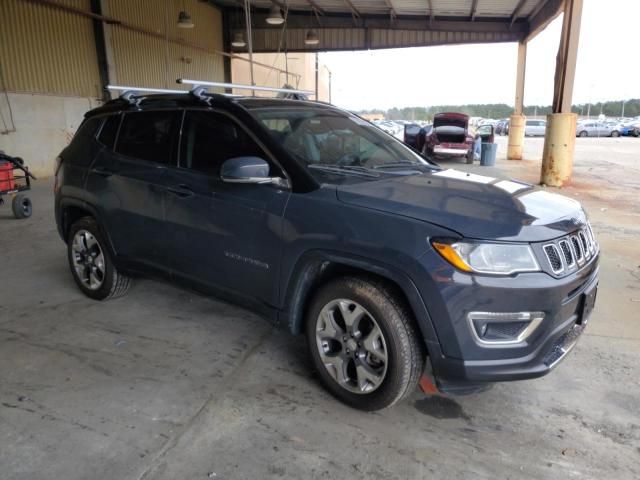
[(109, 131), (149, 136), (209, 138), (89, 127)]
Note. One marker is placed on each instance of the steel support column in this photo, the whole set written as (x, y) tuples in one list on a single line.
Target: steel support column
[(560, 138), (518, 120)]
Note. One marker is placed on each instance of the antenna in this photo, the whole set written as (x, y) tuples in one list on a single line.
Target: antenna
[(238, 86)]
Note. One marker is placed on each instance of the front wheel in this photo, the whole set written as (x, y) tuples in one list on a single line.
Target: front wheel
[(583, 134), (615, 133), (363, 343), (91, 264)]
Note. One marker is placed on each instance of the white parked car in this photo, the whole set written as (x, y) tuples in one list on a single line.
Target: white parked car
[(535, 128), (596, 129)]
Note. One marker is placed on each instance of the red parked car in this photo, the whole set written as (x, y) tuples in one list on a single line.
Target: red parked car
[(450, 137)]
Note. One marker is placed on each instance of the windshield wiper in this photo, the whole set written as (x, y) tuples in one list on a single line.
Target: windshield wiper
[(405, 163), (348, 169)]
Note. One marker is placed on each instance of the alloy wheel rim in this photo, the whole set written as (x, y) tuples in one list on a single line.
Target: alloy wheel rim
[(351, 345), (88, 259)]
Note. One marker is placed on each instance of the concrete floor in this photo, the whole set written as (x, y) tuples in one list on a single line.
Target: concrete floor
[(166, 384)]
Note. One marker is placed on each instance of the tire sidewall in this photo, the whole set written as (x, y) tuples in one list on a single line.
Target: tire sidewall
[(91, 226), (396, 377)]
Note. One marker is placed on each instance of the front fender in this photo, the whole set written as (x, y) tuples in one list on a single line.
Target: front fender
[(308, 272)]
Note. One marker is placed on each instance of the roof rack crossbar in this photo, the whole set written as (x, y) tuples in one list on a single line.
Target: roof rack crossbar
[(239, 86)]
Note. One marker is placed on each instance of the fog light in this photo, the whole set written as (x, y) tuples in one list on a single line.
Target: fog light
[(495, 329)]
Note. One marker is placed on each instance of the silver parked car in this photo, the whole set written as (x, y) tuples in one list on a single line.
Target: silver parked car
[(535, 128), (596, 129)]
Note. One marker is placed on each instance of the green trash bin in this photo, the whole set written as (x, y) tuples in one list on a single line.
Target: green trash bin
[(488, 154)]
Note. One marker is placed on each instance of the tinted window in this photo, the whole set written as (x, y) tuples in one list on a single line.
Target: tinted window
[(89, 127), (109, 131), (208, 139), (149, 135)]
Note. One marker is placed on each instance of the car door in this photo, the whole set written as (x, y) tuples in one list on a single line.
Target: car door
[(128, 182), (223, 235)]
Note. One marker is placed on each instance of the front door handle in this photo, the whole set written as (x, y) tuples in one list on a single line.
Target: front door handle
[(103, 172), (182, 191)]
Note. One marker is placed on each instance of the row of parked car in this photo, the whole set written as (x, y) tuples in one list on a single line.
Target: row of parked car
[(585, 128)]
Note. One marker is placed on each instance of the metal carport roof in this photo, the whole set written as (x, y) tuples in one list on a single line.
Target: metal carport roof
[(371, 24)]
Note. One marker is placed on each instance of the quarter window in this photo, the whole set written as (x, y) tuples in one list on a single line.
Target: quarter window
[(209, 139), (109, 131), (149, 136)]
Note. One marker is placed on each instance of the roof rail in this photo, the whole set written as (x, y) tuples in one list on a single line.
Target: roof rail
[(239, 86), (132, 94)]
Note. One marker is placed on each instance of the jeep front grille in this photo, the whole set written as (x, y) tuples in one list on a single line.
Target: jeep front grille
[(569, 253)]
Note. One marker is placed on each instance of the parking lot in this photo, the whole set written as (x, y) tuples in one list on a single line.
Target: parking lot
[(167, 384)]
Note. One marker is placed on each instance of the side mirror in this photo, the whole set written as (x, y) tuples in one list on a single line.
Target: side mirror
[(248, 170)]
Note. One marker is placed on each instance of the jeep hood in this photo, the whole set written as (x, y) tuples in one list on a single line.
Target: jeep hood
[(473, 206)]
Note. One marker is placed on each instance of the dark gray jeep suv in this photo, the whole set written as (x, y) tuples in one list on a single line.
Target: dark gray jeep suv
[(390, 265)]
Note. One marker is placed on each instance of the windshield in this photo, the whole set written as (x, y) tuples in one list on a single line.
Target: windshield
[(320, 137)]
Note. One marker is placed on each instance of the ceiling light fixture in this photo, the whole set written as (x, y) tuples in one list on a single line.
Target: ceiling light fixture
[(184, 20), (275, 15), (238, 40), (311, 38)]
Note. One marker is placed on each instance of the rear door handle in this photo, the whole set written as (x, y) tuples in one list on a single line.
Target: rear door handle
[(182, 191), (103, 172)]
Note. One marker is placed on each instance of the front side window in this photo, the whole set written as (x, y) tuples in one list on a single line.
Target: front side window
[(210, 138), (324, 137), (150, 136)]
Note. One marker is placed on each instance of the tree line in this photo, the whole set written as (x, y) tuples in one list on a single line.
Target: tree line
[(611, 108)]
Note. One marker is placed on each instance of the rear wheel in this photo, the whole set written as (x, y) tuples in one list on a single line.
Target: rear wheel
[(583, 134), (91, 264), (363, 343), (615, 133), (21, 206)]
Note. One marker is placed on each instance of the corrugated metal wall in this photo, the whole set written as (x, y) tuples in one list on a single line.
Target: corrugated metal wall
[(149, 61), (47, 50)]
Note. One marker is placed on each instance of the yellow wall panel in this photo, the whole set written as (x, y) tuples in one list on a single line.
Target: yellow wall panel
[(145, 60), (46, 50)]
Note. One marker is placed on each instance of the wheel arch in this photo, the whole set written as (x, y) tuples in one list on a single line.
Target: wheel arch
[(316, 268), (72, 210)]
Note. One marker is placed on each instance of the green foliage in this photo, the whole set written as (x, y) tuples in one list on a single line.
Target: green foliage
[(611, 108)]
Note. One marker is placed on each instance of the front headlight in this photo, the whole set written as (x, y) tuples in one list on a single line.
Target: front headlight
[(492, 258)]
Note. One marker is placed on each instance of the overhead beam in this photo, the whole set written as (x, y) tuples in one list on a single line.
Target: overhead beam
[(546, 14), (516, 11), (392, 10), (315, 7), (474, 8), (354, 10), (402, 22)]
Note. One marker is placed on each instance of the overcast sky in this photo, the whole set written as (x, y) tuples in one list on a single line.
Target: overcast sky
[(608, 67)]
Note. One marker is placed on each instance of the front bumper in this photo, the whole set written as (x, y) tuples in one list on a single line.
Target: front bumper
[(461, 365)]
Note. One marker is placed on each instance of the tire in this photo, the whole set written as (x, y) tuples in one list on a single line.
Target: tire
[(367, 382), (21, 206), (91, 263), (583, 134), (615, 133)]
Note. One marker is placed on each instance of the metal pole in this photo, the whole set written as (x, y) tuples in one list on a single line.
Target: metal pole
[(317, 77), (247, 16), (622, 114)]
